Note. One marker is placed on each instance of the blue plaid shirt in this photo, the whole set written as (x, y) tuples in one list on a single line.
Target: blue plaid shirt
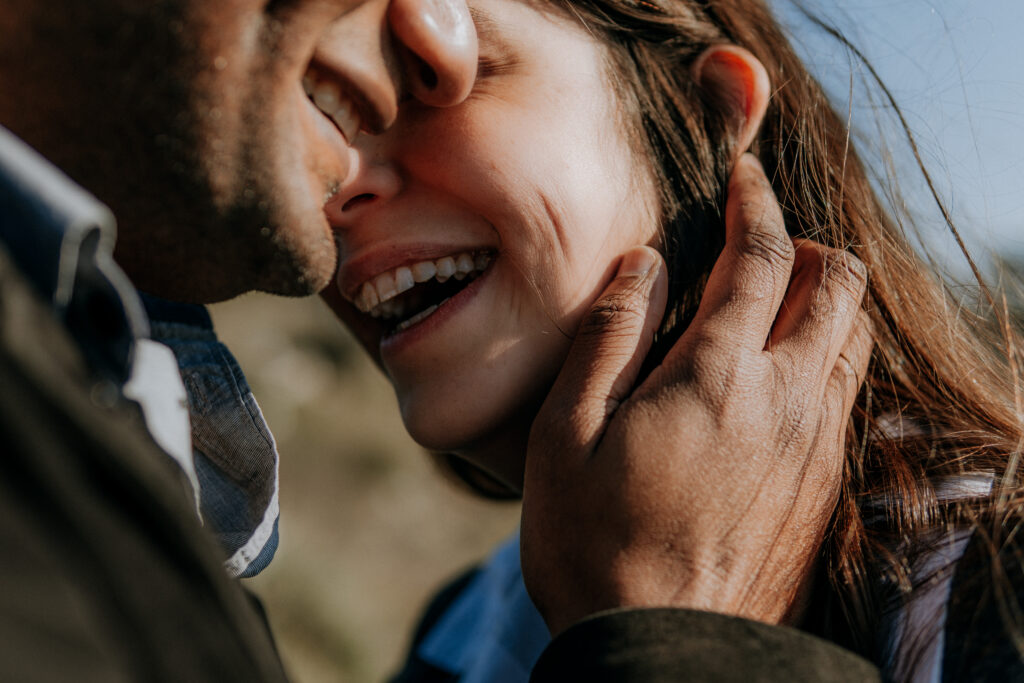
[(234, 452)]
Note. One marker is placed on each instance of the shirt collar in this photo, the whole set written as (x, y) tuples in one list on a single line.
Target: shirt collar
[(62, 239)]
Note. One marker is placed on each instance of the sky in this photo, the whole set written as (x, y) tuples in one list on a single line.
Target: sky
[(956, 68)]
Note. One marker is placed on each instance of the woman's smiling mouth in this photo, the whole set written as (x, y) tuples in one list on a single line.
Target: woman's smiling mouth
[(408, 294)]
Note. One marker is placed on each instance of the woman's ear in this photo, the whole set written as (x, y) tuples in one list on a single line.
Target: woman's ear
[(739, 82)]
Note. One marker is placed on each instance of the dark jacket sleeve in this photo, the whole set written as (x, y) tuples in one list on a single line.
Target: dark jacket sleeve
[(648, 645), (106, 573)]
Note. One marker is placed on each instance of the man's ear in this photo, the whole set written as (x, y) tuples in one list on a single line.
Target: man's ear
[(737, 80)]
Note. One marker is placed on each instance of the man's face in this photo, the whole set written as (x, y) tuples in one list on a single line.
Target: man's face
[(191, 120)]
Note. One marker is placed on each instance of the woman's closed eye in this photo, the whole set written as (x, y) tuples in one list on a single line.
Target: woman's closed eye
[(494, 65), (497, 56)]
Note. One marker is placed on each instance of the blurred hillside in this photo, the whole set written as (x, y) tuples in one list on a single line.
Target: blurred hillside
[(368, 527)]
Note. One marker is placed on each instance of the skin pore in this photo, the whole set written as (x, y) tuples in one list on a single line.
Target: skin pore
[(534, 172), (189, 119)]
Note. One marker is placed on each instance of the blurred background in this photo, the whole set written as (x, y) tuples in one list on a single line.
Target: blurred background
[(369, 529), (955, 70)]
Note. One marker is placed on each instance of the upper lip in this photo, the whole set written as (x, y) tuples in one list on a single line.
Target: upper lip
[(361, 268)]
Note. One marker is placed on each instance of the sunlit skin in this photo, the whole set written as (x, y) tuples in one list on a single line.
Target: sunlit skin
[(189, 119), (533, 167)]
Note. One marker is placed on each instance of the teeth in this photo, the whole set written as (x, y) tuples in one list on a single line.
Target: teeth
[(415, 319), (347, 119), (367, 298), (388, 309), (328, 99), (403, 280), (463, 266), (445, 268), (424, 271), (376, 296), (385, 285), (326, 96)]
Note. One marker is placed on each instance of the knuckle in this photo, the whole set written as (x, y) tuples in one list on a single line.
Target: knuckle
[(799, 426), (861, 343), (838, 404), (772, 248), (846, 273), (610, 313), (725, 381), (846, 368)]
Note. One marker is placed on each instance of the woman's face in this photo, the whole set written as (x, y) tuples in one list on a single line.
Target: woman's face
[(531, 187)]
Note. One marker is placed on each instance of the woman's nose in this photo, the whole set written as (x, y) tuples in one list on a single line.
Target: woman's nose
[(373, 180), (438, 43)]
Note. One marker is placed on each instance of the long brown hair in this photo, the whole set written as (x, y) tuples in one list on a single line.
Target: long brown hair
[(943, 393)]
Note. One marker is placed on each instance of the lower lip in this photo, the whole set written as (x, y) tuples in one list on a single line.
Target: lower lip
[(398, 342)]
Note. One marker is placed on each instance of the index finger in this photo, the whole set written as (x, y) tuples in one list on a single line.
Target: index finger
[(749, 280)]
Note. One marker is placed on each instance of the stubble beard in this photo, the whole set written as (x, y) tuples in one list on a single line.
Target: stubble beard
[(214, 217)]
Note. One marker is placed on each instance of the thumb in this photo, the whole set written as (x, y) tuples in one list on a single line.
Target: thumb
[(606, 355)]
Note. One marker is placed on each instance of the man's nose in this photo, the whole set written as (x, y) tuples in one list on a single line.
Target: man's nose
[(385, 49), (438, 43)]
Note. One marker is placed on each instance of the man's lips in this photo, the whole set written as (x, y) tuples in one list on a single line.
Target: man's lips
[(336, 117), (330, 154), (333, 103)]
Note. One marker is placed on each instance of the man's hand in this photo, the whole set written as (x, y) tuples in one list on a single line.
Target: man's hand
[(710, 485)]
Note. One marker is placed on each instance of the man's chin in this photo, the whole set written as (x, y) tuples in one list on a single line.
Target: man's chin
[(294, 280), (294, 288), (207, 285), (299, 264)]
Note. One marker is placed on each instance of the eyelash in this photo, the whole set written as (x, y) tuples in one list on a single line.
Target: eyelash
[(493, 66)]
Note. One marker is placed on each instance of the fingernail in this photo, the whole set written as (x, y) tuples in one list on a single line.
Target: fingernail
[(636, 263)]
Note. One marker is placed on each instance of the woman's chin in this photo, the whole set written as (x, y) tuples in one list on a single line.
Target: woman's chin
[(499, 450), (489, 428)]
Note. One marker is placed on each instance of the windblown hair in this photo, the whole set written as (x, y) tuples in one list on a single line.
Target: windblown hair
[(943, 394)]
